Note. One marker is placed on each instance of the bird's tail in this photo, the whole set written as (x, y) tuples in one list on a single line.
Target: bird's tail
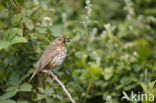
[(32, 76), (36, 71)]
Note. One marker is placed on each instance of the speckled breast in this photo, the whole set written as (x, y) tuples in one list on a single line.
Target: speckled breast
[(59, 59)]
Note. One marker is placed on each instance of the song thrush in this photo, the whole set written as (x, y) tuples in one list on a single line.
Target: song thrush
[(53, 56)]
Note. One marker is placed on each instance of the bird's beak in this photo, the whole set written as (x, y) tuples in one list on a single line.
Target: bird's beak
[(66, 39)]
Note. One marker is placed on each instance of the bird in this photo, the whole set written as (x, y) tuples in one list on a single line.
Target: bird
[(53, 56)]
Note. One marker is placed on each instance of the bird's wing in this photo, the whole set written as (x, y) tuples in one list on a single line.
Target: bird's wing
[(48, 55), (50, 52)]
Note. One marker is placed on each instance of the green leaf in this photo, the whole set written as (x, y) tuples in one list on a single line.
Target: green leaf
[(57, 96), (4, 44), (108, 73), (42, 37), (8, 95), (11, 88), (28, 23), (47, 91), (16, 19), (94, 70), (18, 39), (25, 87), (151, 84), (22, 101), (144, 53), (3, 12), (36, 15), (40, 96), (57, 30), (148, 87), (28, 74), (8, 101), (144, 86), (14, 79), (15, 31)]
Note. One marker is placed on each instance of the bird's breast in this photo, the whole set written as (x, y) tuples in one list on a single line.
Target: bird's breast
[(58, 59)]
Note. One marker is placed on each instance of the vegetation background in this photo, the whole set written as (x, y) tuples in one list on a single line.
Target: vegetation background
[(112, 49)]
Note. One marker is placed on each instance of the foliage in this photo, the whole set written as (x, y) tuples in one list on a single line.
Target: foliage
[(112, 49)]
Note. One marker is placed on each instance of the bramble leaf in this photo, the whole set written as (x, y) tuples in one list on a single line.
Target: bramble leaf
[(28, 23)]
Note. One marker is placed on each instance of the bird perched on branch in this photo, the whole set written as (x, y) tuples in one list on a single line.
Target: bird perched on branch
[(53, 56)]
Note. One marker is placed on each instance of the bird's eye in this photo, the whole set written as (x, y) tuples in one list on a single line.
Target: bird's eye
[(59, 39)]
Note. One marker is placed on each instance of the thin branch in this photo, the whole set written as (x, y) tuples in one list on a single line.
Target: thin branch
[(33, 49), (60, 83), (72, 51), (88, 89), (14, 3), (34, 53)]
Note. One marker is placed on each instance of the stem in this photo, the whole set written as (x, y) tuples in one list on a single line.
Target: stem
[(14, 3), (88, 89), (33, 50), (34, 53), (60, 83)]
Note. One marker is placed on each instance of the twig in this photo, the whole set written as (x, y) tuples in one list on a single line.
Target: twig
[(72, 51), (34, 53), (88, 89), (60, 83), (14, 3), (33, 50)]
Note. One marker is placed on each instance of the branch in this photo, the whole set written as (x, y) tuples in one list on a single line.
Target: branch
[(60, 83), (14, 3), (33, 49), (34, 53)]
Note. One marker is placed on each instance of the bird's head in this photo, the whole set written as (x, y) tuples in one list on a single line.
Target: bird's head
[(61, 40)]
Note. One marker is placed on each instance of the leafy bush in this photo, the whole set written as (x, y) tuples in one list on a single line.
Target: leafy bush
[(112, 49)]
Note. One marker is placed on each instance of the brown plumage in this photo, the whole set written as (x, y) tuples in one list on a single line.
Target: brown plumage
[(53, 55)]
